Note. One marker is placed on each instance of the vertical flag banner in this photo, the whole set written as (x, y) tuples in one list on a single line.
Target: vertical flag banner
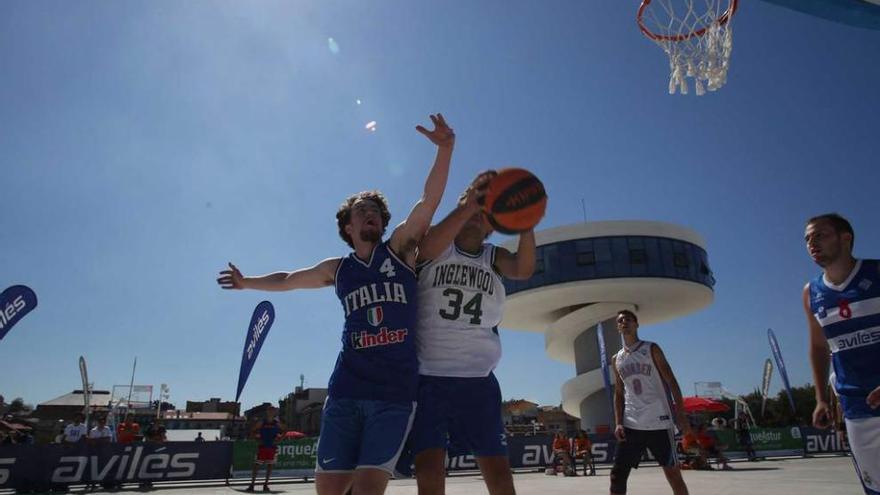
[(603, 362), (83, 373), (780, 365), (15, 302), (765, 384), (257, 331)]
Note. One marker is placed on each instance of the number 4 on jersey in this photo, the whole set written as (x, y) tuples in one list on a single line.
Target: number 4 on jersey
[(387, 268)]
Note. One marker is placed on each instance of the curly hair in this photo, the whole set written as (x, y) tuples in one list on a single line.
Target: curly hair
[(343, 215)]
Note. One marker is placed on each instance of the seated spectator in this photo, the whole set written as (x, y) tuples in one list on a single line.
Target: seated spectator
[(583, 450), (694, 457), (710, 447), (562, 454)]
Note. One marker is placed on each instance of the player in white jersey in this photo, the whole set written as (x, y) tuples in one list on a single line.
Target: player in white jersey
[(842, 306), (644, 415), (461, 300)]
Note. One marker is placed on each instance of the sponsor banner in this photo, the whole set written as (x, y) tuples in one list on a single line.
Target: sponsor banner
[(294, 457), (780, 365), (769, 442), (537, 452), (15, 302), (261, 322), (42, 466), (818, 441)]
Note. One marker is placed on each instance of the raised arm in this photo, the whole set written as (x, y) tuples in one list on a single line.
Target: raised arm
[(320, 275), (521, 265), (408, 234), (820, 358), (666, 373), (440, 236)]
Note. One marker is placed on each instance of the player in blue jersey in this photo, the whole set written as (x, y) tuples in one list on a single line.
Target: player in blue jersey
[(267, 432), (461, 302), (372, 392), (843, 311)]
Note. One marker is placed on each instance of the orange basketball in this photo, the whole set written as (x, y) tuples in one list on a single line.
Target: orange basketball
[(515, 201)]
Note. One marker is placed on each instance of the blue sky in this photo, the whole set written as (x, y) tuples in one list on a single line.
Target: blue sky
[(145, 144)]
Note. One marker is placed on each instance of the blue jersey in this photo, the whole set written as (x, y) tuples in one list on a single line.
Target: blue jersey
[(849, 314), (378, 357), (269, 431)]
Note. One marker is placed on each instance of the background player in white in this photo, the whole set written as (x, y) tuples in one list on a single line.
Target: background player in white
[(641, 407), (461, 301), (842, 306), (369, 410)]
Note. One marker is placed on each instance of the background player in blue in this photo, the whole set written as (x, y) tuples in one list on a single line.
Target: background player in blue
[(373, 388), (843, 312), (267, 432), (461, 301)]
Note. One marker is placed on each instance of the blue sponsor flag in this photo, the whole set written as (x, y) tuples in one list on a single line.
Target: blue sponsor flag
[(603, 362), (15, 303), (261, 322), (780, 365)]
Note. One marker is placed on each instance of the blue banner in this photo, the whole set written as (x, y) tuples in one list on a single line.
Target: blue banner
[(47, 468), (780, 365), (261, 322), (603, 362), (15, 303)]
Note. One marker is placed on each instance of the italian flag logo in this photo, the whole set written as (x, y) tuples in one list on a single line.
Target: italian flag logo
[(374, 316)]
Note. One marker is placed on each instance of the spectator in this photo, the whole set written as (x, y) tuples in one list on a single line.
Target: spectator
[(75, 432), (101, 433), (268, 432), (710, 448), (200, 438), (694, 455), (562, 454), (743, 436), (127, 431), (583, 449)]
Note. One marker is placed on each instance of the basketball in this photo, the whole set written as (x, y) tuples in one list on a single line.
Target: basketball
[(515, 201)]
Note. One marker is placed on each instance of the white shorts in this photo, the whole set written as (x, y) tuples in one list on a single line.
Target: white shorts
[(864, 442)]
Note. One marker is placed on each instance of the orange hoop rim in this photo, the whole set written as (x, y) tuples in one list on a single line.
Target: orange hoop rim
[(724, 19)]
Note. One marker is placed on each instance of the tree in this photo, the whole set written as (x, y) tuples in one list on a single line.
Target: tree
[(18, 406)]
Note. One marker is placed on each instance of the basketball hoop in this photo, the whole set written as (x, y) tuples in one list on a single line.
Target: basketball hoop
[(697, 38)]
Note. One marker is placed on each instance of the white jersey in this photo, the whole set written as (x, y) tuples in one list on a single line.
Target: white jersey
[(645, 394), (461, 301), (73, 433)]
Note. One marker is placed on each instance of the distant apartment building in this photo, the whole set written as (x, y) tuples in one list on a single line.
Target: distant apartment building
[(301, 409), (214, 405)]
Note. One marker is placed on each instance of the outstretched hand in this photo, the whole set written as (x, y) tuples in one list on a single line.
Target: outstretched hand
[(231, 279), (442, 135)]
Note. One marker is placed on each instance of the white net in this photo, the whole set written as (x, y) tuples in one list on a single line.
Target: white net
[(697, 37)]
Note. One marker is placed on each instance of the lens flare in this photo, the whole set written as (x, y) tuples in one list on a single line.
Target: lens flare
[(333, 46)]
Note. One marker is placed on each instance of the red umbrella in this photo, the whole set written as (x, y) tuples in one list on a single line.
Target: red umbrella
[(291, 435), (704, 405)]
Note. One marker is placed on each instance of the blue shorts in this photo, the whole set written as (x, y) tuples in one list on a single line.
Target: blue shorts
[(359, 434), (460, 415)]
